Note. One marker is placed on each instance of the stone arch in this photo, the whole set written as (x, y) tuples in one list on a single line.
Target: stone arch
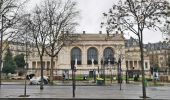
[(92, 53), (76, 53), (108, 54)]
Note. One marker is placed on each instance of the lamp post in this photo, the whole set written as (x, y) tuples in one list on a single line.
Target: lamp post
[(94, 71), (109, 65), (127, 71), (26, 64), (119, 71), (73, 82), (103, 68), (73, 67)]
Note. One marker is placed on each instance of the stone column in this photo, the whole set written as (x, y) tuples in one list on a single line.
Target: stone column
[(144, 65), (84, 56), (148, 64), (133, 63), (137, 65), (38, 69), (128, 64), (100, 55)]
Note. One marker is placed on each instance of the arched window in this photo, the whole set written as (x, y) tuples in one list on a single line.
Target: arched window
[(76, 54), (108, 55), (92, 54)]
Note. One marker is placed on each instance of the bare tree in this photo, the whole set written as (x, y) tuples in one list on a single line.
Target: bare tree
[(9, 16), (135, 16), (61, 20), (38, 31)]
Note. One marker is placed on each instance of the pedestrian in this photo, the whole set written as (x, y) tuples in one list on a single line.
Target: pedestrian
[(63, 77)]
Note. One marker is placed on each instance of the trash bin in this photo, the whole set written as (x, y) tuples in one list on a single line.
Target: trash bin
[(100, 81)]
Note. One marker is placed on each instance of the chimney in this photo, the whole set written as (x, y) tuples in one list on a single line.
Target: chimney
[(100, 32), (67, 32), (116, 32), (84, 32), (107, 33), (122, 32)]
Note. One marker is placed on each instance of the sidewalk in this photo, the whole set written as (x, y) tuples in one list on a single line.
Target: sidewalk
[(128, 91)]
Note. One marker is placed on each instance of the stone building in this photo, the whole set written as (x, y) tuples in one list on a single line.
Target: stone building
[(88, 52), (159, 54), (133, 58)]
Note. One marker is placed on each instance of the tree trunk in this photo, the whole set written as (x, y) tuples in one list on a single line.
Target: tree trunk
[(0, 67), (1, 49), (42, 67), (51, 71), (142, 66)]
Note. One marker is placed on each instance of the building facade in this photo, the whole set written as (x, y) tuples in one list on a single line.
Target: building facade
[(92, 52), (88, 52), (159, 54), (133, 57)]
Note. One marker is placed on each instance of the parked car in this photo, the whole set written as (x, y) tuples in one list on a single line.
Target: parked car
[(37, 80)]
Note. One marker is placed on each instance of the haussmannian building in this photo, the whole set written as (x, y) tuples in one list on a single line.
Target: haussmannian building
[(159, 54), (133, 58)]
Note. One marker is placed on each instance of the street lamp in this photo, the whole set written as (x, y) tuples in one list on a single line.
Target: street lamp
[(73, 68), (26, 64), (127, 71), (103, 68), (119, 72), (109, 65), (94, 71)]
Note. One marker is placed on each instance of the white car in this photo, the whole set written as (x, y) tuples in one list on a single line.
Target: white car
[(37, 80)]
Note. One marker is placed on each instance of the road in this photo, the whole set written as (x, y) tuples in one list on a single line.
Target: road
[(129, 91)]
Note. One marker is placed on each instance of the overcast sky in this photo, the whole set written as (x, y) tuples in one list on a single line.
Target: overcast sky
[(91, 17)]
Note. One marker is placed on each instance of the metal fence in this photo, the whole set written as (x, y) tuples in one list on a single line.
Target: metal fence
[(87, 76)]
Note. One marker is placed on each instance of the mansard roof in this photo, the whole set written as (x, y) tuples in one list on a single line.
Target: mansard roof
[(157, 46)]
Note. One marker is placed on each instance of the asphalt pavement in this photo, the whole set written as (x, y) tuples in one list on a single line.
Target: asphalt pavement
[(128, 91)]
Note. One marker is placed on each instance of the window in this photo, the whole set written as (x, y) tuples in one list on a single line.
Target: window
[(92, 54), (108, 55), (161, 58), (146, 65), (76, 54)]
